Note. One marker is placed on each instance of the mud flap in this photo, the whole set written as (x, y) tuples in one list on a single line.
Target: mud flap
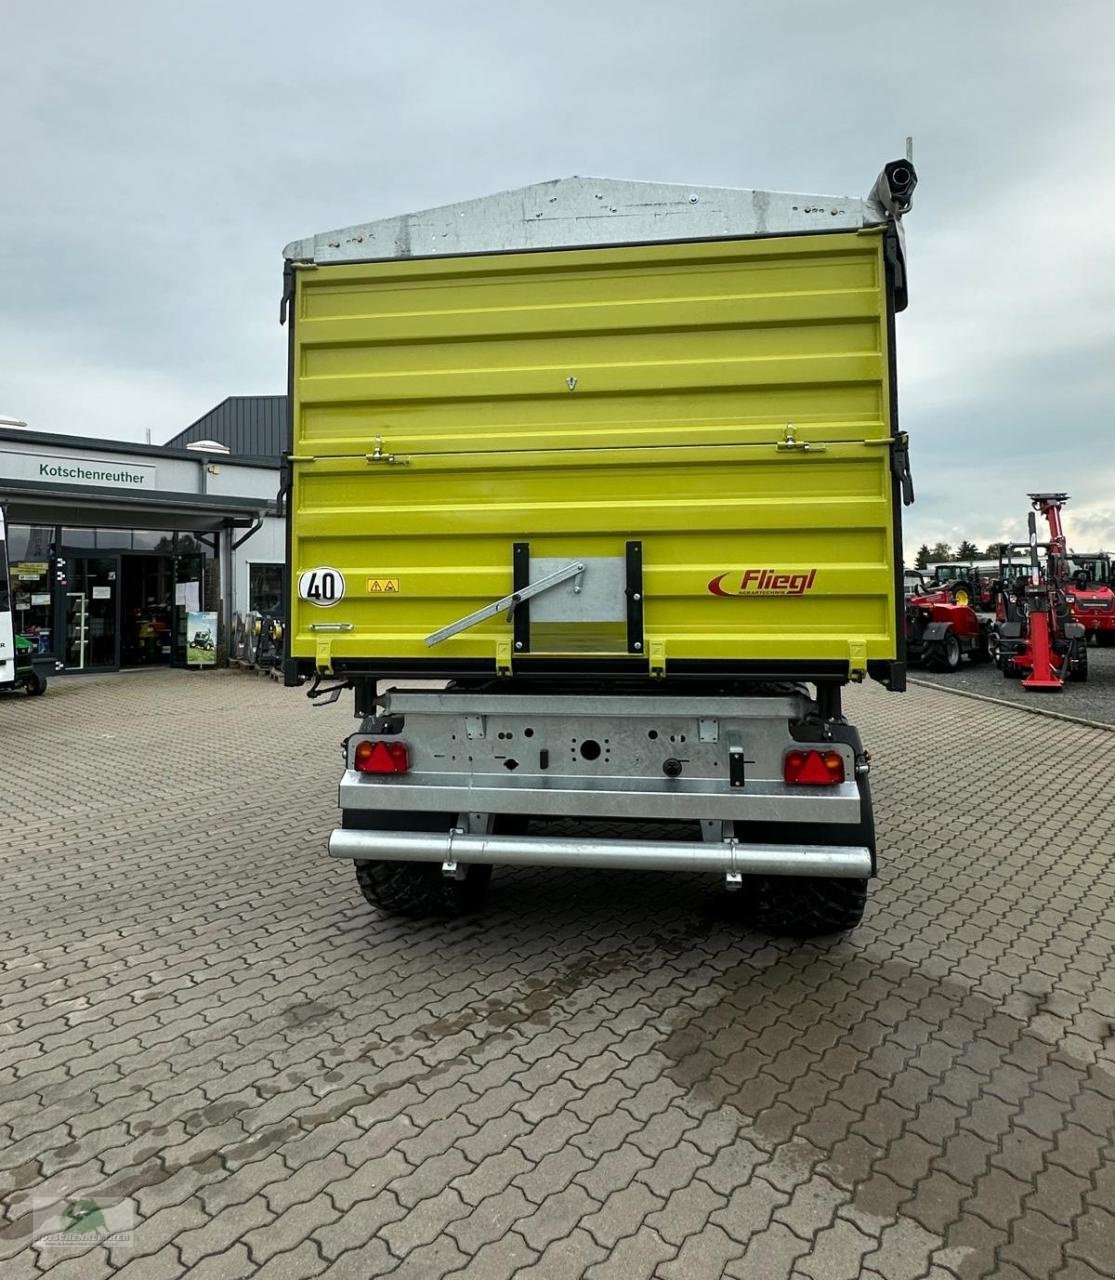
[(935, 631)]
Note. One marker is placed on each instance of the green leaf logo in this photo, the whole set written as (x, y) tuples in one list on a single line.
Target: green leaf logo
[(82, 1217)]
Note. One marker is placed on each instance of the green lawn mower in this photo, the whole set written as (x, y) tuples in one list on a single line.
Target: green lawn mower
[(30, 668)]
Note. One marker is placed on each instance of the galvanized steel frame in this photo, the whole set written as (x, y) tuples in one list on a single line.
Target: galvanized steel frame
[(461, 744)]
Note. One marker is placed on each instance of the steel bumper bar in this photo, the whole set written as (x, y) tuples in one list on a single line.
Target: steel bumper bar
[(727, 857)]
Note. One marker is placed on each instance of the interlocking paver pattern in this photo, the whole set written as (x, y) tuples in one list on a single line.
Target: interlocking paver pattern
[(1093, 700), (602, 1075)]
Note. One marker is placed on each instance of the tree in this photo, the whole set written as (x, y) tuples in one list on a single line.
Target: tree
[(994, 550), (940, 553), (923, 557), (967, 551)]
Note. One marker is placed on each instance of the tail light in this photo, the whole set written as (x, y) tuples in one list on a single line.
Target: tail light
[(813, 768), (381, 757)]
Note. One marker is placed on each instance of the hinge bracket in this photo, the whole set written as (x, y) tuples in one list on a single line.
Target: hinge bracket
[(506, 603)]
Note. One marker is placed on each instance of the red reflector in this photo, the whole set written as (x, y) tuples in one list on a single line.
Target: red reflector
[(813, 768), (381, 757)]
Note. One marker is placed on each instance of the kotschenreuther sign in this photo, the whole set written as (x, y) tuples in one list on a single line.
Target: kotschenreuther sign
[(51, 469)]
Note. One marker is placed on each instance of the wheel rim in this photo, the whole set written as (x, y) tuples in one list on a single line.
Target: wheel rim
[(952, 650)]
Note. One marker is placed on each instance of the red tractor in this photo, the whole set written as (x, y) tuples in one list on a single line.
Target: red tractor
[(976, 581), (1091, 598), (941, 626), (1036, 636)]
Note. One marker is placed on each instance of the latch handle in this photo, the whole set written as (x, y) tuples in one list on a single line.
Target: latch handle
[(900, 465), (391, 459), (791, 442)]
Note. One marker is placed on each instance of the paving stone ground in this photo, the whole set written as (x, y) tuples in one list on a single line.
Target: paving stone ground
[(1094, 699), (202, 1022)]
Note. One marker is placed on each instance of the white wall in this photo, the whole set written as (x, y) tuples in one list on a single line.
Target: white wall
[(231, 481), (268, 546)]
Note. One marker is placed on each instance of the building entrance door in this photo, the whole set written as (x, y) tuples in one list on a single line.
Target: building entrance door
[(92, 612), (146, 607)]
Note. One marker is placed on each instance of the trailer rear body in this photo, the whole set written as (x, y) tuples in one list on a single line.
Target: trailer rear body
[(722, 411)]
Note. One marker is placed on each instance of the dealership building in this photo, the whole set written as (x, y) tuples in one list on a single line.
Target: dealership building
[(111, 544)]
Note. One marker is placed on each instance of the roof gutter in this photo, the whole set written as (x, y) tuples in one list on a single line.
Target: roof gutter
[(255, 528)]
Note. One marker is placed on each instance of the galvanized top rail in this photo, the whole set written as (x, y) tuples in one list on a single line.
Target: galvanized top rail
[(586, 212)]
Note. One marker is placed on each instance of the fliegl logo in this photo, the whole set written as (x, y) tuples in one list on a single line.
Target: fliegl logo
[(762, 582)]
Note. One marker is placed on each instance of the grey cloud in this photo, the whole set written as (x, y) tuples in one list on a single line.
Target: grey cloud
[(156, 159)]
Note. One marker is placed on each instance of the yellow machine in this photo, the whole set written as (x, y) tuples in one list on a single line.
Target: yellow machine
[(726, 405), (599, 431)]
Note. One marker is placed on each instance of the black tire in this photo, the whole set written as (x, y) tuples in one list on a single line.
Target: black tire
[(1078, 672), (421, 889), (251, 639), (809, 906), (981, 653), (944, 654), (1009, 670), (35, 684)]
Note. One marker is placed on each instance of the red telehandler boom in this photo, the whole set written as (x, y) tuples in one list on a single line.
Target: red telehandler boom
[(1038, 637)]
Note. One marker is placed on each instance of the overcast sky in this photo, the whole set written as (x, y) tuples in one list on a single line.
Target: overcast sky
[(154, 159)]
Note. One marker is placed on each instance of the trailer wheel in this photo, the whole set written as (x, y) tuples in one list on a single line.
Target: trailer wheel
[(35, 684), (943, 655), (1079, 669), (807, 906), (420, 888)]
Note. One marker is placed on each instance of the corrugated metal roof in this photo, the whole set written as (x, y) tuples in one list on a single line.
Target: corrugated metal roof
[(247, 425)]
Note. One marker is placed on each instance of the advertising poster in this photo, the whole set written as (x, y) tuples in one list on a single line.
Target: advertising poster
[(201, 639)]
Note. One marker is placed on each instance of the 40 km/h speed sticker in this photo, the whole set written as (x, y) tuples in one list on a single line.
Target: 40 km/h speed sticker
[(322, 586)]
